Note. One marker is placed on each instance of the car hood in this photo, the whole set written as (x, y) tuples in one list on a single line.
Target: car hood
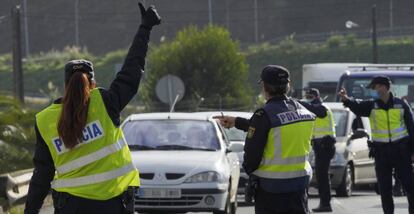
[(177, 161)]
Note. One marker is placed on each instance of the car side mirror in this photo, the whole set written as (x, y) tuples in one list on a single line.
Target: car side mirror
[(235, 147), (359, 133)]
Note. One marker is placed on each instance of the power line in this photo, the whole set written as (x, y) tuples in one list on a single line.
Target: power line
[(222, 10), (185, 20)]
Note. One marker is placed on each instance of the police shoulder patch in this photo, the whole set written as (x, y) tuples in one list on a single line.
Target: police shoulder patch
[(259, 113), (250, 132)]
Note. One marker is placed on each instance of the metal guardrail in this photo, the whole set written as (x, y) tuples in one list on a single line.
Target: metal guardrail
[(14, 186)]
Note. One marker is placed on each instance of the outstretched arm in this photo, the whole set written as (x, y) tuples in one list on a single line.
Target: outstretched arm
[(358, 107), (238, 122)]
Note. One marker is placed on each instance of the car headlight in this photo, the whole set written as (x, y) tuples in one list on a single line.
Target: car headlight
[(204, 177)]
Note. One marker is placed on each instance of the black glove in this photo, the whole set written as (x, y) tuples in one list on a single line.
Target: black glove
[(371, 147), (128, 200), (149, 17)]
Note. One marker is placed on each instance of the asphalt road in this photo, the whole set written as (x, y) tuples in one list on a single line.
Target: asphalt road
[(362, 202)]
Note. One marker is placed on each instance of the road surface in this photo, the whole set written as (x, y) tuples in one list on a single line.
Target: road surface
[(362, 202)]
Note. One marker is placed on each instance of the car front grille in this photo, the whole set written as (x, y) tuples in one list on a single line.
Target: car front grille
[(185, 200), (147, 176), (174, 176)]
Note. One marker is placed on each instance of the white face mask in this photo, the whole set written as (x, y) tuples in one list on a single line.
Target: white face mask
[(309, 100)]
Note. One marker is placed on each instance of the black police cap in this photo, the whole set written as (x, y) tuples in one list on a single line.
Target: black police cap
[(274, 75), (382, 80), (79, 65)]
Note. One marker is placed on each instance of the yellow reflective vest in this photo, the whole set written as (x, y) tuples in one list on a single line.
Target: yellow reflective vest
[(324, 126), (288, 143), (98, 168), (387, 125)]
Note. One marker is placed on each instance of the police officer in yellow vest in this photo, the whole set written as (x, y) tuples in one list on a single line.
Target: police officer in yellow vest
[(392, 135), (80, 151), (277, 147), (323, 143)]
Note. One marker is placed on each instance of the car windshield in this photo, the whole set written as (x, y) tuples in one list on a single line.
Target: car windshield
[(341, 119), (171, 135), (401, 87), (235, 134)]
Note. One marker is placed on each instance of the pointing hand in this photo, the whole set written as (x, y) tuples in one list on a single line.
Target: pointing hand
[(226, 121), (342, 93)]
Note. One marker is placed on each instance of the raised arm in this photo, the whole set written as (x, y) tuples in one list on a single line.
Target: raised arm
[(125, 85)]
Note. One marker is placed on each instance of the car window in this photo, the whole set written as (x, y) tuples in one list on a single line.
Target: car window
[(341, 119), (224, 134), (401, 87), (235, 134), (171, 135)]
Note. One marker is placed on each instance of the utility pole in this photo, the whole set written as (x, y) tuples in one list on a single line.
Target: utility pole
[(374, 36), (26, 29), (210, 12), (77, 23), (227, 15), (17, 55), (256, 23), (391, 17)]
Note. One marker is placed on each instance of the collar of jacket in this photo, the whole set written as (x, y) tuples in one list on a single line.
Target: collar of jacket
[(277, 98)]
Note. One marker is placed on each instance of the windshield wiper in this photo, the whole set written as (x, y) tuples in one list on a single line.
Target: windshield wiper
[(140, 147), (173, 147)]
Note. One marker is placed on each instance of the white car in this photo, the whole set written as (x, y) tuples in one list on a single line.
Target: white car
[(237, 137), (185, 163)]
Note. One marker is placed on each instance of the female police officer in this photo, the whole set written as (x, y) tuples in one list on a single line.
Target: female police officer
[(78, 136)]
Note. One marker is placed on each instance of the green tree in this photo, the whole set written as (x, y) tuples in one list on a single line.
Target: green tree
[(209, 63), (17, 135)]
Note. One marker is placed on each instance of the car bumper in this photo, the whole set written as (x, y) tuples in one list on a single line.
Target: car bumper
[(336, 175), (192, 199)]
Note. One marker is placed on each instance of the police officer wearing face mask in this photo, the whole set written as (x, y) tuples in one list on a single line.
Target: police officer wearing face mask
[(277, 147), (323, 143), (393, 138)]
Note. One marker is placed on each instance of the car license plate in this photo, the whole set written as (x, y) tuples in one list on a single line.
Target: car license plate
[(159, 193)]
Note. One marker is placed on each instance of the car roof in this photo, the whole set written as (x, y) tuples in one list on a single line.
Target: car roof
[(226, 113), (370, 74), (167, 116)]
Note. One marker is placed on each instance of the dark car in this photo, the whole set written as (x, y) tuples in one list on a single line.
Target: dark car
[(355, 82)]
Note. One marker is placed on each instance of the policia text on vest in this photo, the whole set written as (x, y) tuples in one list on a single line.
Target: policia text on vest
[(96, 175)]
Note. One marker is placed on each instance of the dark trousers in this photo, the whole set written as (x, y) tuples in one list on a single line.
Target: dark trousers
[(395, 156), (281, 203), (76, 205), (324, 152)]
